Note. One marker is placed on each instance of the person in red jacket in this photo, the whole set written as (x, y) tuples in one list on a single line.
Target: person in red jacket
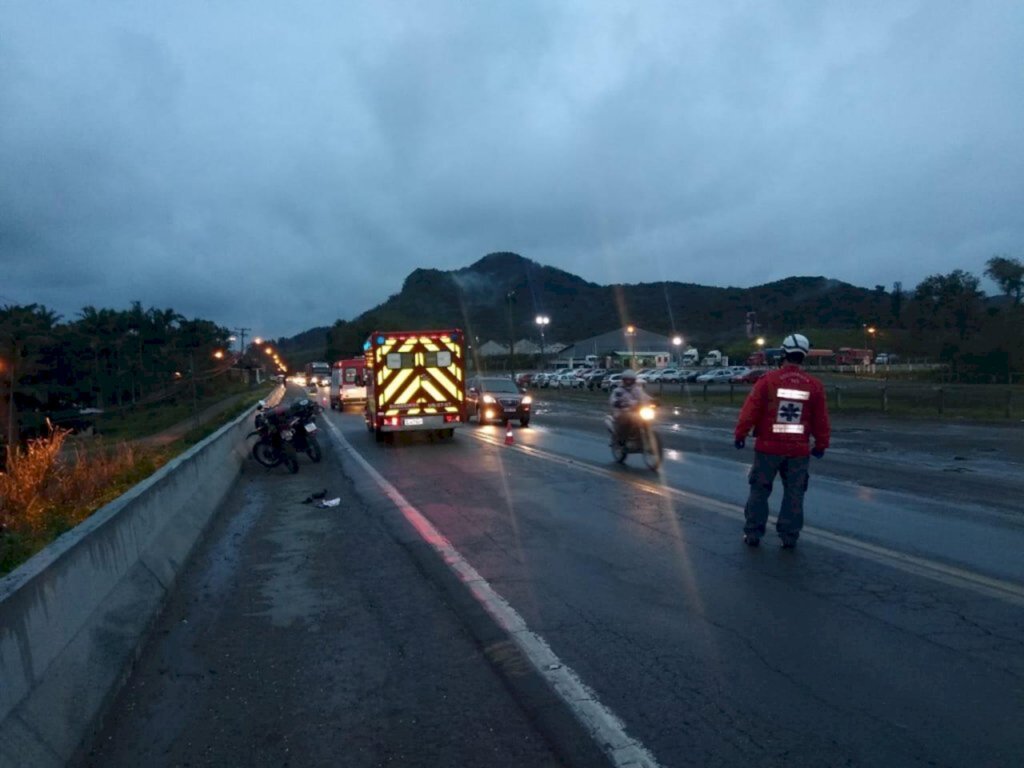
[(786, 408)]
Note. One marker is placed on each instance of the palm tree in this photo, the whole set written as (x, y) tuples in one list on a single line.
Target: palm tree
[(24, 333)]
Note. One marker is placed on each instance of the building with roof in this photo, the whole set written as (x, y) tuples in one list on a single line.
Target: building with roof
[(628, 346)]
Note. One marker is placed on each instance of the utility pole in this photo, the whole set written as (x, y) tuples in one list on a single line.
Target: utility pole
[(511, 297), (241, 339)]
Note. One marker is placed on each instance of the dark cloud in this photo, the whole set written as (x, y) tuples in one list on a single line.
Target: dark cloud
[(281, 167)]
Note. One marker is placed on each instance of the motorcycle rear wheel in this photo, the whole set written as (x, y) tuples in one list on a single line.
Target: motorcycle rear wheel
[(265, 453), (313, 450)]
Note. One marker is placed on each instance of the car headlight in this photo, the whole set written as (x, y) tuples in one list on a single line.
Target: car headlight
[(489, 399), (527, 400), (647, 413)]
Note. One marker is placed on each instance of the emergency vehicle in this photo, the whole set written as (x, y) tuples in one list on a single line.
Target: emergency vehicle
[(348, 383), (415, 381), (851, 356)]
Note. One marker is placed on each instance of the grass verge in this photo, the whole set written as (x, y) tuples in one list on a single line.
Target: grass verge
[(47, 490), (54, 483)]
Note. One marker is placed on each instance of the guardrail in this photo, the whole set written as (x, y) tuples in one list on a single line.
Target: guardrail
[(73, 617)]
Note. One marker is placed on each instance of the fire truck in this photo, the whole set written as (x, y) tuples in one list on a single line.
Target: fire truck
[(348, 383), (415, 381), (851, 356)]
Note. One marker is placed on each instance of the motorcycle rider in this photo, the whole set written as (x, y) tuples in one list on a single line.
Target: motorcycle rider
[(626, 399), (785, 409)]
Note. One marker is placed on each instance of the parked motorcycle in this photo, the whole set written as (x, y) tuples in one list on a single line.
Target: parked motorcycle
[(642, 438), (276, 433), (304, 413)]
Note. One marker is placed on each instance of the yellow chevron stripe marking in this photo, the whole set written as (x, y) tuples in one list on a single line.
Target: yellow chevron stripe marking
[(408, 393), (437, 375), (395, 383), (432, 390)]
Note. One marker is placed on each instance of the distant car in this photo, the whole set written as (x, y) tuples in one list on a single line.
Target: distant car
[(611, 381), (690, 375), (738, 371), (750, 376), (596, 376), (886, 358), (494, 398), (524, 379), (567, 380), (715, 376)]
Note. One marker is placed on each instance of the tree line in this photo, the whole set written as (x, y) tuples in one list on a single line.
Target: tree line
[(951, 319), (105, 358)]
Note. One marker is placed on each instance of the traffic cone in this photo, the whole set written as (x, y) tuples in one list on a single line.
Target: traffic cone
[(509, 440)]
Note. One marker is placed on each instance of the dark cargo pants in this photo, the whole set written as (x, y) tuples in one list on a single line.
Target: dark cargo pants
[(793, 470)]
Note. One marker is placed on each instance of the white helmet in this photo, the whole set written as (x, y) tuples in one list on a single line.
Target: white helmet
[(796, 343), (628, 375)]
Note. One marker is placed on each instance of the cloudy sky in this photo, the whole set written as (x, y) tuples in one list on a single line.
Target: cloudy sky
[(280, 165)]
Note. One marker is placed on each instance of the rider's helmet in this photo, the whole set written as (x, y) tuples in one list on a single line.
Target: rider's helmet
[(796, 344), (628, 377)]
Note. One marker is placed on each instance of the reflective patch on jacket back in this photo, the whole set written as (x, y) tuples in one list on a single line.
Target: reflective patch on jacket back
[(789, 412), (792, 394), (788, 429)]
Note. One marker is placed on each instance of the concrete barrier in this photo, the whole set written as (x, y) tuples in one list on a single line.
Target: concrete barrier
[(73, 618)]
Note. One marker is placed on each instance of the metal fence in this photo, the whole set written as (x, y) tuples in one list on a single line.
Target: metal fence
[(911, 398)]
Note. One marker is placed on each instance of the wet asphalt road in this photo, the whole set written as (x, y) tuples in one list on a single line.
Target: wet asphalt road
[(303, 636), (311, 638)]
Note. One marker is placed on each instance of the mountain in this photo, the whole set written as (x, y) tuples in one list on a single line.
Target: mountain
[(499, 297)]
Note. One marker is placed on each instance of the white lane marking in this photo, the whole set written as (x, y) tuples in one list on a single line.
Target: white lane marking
[(1006, 591), (602, 724)]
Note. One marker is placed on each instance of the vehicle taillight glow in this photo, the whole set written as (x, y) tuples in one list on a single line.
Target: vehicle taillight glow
[(451, 417)]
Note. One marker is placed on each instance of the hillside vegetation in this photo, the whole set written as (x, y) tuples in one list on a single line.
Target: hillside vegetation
[(500, 295)]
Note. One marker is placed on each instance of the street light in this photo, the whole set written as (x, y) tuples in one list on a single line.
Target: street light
[(869, 330), (760, 342), (677, 342), (542, 321)]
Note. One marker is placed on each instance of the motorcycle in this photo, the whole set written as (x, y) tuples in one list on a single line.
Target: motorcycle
[(304, 413), (276, 433), (642, 438)]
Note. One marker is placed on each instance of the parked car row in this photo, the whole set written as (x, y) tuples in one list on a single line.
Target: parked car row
[(604, 379)]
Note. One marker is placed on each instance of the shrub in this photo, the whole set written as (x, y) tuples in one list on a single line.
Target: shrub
[(49, 488)]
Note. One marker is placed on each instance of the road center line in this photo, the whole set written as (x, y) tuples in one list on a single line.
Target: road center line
[(936, 571), (599, 721)]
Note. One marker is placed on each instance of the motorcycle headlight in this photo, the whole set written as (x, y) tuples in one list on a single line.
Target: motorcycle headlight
[(527, 400), (647, 413)]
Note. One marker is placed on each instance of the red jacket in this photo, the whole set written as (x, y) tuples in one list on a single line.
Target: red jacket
[(785, 408)]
